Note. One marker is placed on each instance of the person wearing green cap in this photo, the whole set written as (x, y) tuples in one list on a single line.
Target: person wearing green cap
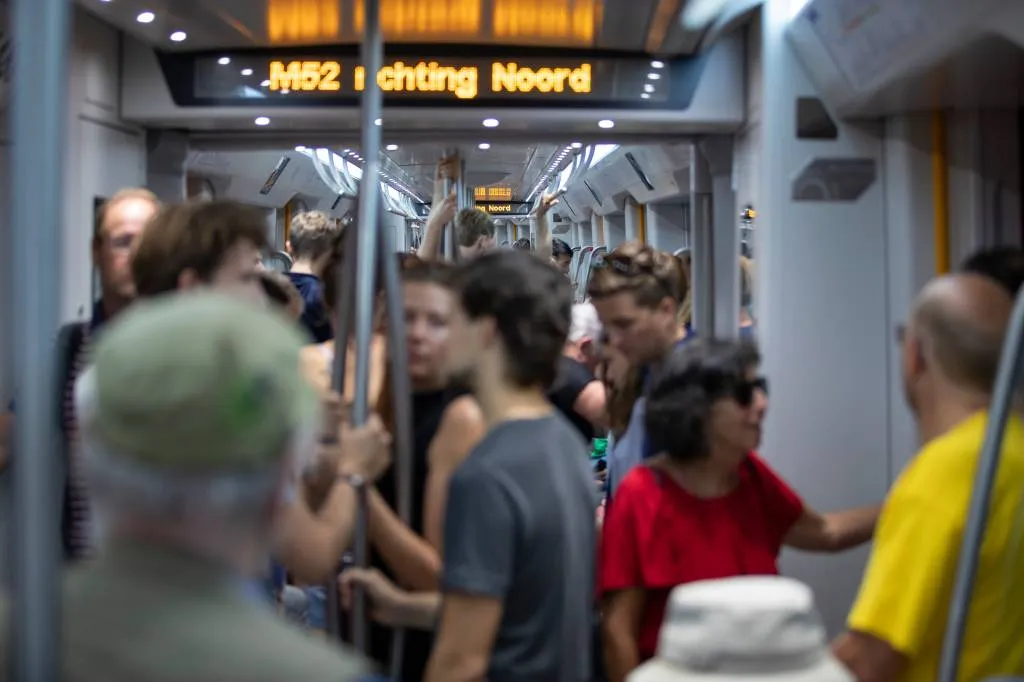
[(193, 422)]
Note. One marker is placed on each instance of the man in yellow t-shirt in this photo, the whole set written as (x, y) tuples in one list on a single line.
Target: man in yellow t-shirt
[(951, 353)]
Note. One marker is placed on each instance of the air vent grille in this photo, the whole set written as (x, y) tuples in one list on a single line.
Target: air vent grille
[(275, 175)]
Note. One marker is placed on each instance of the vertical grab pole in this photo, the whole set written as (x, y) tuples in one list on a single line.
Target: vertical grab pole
[(342, 338), (38, 125), (371, 55), (1003, 395), (401, 392), (451, 241)]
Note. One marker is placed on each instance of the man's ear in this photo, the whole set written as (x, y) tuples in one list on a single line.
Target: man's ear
[(288, 248), (188, 279)]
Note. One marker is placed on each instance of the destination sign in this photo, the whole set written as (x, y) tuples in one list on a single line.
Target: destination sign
[(335, 77), (495, 193), (508, 208)]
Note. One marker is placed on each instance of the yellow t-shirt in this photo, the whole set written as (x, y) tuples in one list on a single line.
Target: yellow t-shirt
[(905, 596)]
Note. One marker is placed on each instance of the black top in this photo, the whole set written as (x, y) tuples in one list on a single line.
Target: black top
[(428, 410), (314, 315), (573, 377)]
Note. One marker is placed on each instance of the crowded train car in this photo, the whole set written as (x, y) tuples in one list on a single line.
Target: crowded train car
[(508, 340)]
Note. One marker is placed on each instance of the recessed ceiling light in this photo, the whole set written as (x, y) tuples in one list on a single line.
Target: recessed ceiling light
[(645, 95), (224, 61), (491, 123), (378, 122), (391, 147), (145, 18), (179, 36), (246, 72), (648, 87), (262, 121), (576, 145), (300, 148), (657, 65), (484, 145), (265, 84), (606, 123), (653, 76)]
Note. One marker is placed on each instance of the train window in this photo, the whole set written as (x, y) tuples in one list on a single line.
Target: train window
[(813, 121)]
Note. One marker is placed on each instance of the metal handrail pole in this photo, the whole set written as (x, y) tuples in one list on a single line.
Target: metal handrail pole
[(38, 128)]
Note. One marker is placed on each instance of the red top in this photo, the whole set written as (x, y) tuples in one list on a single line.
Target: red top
[(657, 535)]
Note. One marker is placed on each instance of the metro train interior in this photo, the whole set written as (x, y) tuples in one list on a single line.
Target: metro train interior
[(850, 150)]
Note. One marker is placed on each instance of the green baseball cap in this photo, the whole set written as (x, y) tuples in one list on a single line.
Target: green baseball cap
[(199, 382)]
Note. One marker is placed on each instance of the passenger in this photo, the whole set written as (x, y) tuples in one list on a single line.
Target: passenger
[(118, 223), (561, 254), (281, 292), (192, 418), (576, 392), (474, 228), (217, 244), (1004, 264), (523, 244), (951, 351), (519, 526), (446, 424), (705, 496), (638, 292), (312, 235)]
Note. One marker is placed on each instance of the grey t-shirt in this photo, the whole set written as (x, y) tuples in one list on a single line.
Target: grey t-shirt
[(519, 527)]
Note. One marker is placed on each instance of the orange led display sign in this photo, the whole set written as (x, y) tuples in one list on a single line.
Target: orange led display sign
[(431, 77), (500, 209), (492, 193)]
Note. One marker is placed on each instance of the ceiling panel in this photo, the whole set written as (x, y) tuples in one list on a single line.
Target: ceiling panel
[(213, 24)]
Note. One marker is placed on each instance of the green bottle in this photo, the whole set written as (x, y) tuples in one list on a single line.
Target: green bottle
[(600, 448)]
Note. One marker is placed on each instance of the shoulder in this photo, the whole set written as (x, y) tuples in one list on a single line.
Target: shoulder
[(638, 484), (463, 413), (462, 426)]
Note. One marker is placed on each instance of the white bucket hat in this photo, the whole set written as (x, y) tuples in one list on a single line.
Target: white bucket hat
[(741, 630)]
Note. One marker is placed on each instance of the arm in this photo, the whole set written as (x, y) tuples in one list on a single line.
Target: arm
[(469, 626), (591, 404), (905, 590), (832, 532), (621, 583), (442, 210), (415, 563), (479, 564), (461, 429), (311, 546), (544, 226), (621, 630)]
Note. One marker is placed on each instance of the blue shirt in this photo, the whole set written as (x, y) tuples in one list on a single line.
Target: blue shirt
[(648, 450)]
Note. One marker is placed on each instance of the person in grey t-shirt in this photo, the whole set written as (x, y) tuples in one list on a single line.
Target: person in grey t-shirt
[(519, 536)]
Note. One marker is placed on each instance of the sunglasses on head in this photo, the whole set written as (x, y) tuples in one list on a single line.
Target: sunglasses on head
[(744, 391), (627, 266)]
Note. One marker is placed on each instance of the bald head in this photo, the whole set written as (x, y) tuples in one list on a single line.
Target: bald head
[(961, 321)]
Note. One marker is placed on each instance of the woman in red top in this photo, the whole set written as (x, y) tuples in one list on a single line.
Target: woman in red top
[(706, 506)]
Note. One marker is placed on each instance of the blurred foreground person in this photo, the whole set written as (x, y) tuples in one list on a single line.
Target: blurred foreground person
[(190, 478), (749, 629)]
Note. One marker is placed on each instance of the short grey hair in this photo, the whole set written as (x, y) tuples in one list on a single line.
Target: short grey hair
[(585, 323), (122, 485)]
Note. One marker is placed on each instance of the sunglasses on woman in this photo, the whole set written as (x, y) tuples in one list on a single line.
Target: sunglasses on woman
[(744, 391)]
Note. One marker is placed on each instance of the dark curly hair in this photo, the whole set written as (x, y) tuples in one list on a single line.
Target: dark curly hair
[(692, 379), (531, 303)]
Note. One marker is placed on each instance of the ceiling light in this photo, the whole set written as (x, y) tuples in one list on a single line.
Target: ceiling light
[(262, 121), (300, 149), (648, 88), (224, 61), (179, 36), (606, 123), (576, 145), (657, 65), (653, 76), (246, 72), (145, 18), (378, 121), (491, 123), (645, 95), (265, 84), (484, 145), (391, 147)]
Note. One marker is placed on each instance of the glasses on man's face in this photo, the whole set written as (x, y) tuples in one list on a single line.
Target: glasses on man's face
[(745, 391)]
